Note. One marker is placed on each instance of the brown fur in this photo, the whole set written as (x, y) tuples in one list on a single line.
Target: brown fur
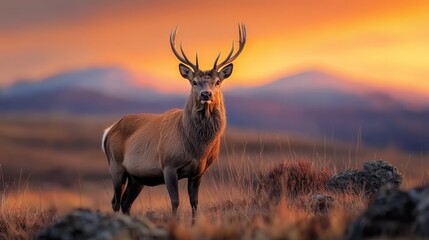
[(153, 149), (140, 147), (176, 139)]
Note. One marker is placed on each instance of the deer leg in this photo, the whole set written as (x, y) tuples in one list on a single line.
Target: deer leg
[(119, 177), (170, 178), (193, 187), (131, 192)]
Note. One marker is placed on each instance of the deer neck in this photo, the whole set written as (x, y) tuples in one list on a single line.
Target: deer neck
[(204, 123)]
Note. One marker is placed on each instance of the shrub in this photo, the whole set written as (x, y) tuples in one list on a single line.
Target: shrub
[(291, 179)]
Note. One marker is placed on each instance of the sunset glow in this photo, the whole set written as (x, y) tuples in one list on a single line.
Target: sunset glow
[(377, 42)]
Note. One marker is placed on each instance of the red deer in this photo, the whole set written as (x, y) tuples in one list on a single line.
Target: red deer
[(152, 149)]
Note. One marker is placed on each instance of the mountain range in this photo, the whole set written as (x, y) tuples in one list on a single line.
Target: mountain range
[(311, 104)]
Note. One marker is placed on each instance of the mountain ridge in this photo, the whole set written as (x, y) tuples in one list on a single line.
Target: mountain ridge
[(115, 81), (301, 109)]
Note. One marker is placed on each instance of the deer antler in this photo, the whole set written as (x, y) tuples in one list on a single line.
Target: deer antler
[(182, 57), (229, 59)]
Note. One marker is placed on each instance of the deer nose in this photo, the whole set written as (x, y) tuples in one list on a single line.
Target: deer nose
[(206, 95)]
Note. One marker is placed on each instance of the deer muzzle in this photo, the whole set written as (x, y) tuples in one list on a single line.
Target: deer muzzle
[(206, 97)]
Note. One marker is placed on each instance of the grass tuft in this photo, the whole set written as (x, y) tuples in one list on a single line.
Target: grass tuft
[(291, 179)]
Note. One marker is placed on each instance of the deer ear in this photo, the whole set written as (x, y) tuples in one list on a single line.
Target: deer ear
[(225, 72), (185, 71)]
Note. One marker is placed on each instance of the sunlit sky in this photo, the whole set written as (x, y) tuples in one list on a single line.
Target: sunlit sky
[(382, 43)]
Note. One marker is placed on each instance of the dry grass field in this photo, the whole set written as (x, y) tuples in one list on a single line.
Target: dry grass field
[(52, 164)]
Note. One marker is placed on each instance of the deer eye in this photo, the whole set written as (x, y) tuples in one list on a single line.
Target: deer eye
[(217, 82), (194, 83)]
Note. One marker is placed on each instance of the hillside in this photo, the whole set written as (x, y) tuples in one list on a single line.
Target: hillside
[(309, 104)]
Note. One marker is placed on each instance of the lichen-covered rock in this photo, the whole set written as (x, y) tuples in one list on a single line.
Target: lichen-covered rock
[(374, 175), (87, 224), (394, 213), (345, 181), (421, 211)]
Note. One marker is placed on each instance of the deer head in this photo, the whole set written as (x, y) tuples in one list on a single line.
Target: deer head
[(206, 84)]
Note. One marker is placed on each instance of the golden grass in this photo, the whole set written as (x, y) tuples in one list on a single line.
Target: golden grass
[(230, 209), (52, 165)]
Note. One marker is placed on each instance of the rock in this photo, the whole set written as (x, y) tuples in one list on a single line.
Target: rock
[(87, 224), (421, 223), (321, 204), (374, 175), (394, 213), (345, 181)]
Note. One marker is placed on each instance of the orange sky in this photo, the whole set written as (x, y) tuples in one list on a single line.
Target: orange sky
[(384, 42)]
